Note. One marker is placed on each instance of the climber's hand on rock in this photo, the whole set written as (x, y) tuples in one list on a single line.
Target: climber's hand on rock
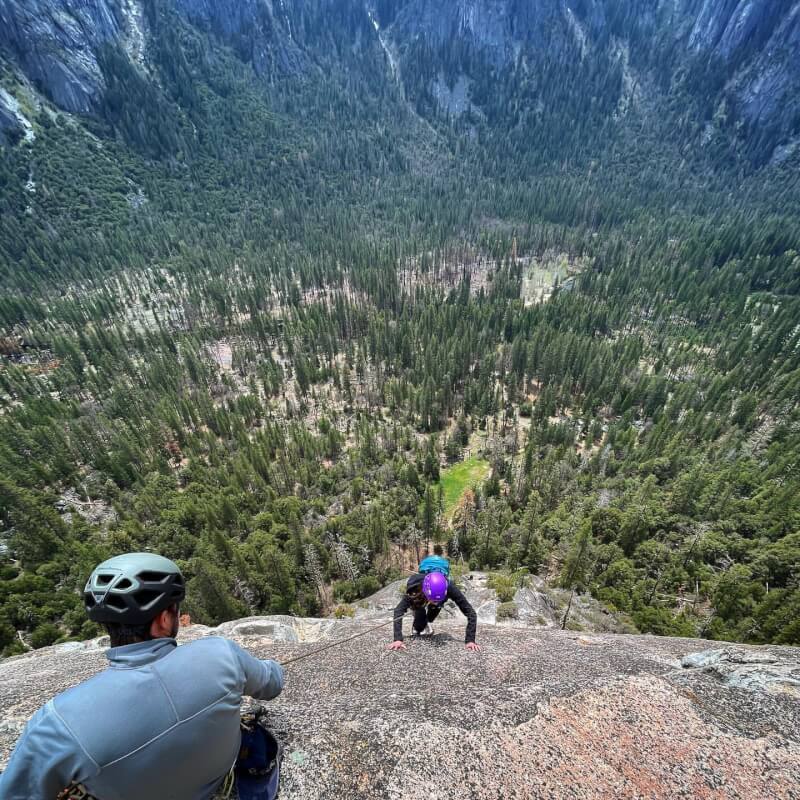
[(472, 647), (397, 646)]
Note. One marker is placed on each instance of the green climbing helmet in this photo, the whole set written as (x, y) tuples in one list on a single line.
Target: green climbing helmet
[(131, 589)]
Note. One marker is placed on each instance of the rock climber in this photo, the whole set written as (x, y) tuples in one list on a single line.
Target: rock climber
[(162, 720), (426, 595)]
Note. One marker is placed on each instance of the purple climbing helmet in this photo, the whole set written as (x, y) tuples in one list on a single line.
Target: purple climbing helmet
[(434, 587)]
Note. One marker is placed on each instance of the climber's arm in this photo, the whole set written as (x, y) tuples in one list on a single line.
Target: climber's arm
[(457, 596), (46, 760), (399, 612), (263, 679)]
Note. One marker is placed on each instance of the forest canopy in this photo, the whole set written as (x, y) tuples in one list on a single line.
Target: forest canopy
[(252, 324)]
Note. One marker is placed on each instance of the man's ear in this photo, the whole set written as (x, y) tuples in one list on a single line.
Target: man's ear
[(162, 625)]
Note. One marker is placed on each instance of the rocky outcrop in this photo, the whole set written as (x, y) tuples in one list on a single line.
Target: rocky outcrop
[(276, 628), (767, 670), (535, 605), (497, 28), (14, 125), (56, 43), (538, 713), (10, 127), (259, 30), (726, 27), (758, 42)]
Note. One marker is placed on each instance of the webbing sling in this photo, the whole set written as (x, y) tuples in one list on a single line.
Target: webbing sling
[(76, 791)]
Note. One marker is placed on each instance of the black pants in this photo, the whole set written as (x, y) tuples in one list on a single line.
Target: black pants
[(425, 614)]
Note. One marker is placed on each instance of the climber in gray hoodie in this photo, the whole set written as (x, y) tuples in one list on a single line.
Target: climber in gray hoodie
[(162, 721)]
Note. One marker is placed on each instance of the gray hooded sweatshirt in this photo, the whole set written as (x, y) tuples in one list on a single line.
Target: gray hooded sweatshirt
[(161, 722)]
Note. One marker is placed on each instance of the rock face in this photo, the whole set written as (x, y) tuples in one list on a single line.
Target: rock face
[(57, 42), (485, 25), (747, 50), (536, 714), (758, 42), (732, 30), (497, 28), (10, 127), (260, 31), (728, 26), (753, 45)]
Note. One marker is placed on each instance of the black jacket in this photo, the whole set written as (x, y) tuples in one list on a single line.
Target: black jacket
[(453, 593)]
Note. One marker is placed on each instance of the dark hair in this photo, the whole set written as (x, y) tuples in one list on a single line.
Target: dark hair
[(437, 550), (121, 634)]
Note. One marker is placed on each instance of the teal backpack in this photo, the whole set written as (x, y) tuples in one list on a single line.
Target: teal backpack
[(435, 564)]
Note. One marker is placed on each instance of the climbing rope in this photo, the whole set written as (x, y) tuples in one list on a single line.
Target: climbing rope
[(339, 642)]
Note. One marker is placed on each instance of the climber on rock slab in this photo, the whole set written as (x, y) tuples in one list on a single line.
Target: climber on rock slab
[(426, 595)]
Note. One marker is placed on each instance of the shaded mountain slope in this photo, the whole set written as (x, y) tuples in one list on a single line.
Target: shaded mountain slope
[(734, 62)]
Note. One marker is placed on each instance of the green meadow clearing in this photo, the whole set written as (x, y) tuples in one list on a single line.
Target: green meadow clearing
[(461, 476)]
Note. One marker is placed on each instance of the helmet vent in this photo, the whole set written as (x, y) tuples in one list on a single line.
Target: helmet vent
[(103, 579), (124, 584), (146, 598), (153, 577)]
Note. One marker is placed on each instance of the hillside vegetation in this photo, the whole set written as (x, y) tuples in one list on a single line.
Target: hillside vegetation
[(255, 318)]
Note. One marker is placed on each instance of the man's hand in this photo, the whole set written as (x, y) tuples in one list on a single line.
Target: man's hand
[(397, 646), (472, 647)]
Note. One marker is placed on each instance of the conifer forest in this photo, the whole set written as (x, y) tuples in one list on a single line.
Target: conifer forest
[(292, 311)]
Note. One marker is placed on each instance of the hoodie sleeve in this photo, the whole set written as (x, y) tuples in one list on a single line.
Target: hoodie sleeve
[(457, 596), (46, 760), (399, 612), (263, 679)]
